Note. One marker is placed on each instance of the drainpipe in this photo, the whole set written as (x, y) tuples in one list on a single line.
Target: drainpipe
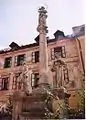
[(80, 53)]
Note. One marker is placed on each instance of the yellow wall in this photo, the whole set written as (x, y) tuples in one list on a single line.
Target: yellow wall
[(75, 98)]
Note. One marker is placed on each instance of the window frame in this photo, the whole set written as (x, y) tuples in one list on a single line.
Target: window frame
[(33, 79), (63, 52), (15, 85), (3, 83), (34, 59), (6, 62), (18, 62)]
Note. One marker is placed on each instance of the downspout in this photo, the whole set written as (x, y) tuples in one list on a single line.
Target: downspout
[(80, 53)]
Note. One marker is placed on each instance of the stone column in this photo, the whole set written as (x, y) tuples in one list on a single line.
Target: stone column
[(42, 29)]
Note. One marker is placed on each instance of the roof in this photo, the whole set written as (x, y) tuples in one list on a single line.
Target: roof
[(79, 30), (14, 45), (58, 32), (32, 45), (24, 47), (37, 39)]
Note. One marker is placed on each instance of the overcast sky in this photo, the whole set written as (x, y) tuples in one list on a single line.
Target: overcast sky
[(19, 19)]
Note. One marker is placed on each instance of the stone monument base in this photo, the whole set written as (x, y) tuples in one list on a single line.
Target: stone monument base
[(32, 106)]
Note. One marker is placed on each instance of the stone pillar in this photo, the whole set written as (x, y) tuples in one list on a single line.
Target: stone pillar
[(42, 29)]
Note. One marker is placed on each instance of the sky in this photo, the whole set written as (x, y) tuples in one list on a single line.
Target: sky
[(19, 19)]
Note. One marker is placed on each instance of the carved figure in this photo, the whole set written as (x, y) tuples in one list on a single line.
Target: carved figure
[(25, 78), (59, 67), (42, 28)]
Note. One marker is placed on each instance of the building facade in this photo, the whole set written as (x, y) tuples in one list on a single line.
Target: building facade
[(70, 49)]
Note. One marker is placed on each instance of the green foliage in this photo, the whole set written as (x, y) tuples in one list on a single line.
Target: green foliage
[(81, 96), (49, 113), (77, 113)]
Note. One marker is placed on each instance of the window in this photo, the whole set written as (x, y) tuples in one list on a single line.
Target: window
[(35, 56), (58, 52), (20, 59), (8, 62), (16, 85), (34, 80), (5, 83)]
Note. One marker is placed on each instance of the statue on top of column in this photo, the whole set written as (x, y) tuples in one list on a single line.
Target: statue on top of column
[(42, 28)]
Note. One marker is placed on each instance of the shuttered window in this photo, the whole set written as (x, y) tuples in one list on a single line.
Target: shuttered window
[(19, 60), (58, 52), (34, 79), (5, 83), (16, 85), (8, 62), (35, 56)]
